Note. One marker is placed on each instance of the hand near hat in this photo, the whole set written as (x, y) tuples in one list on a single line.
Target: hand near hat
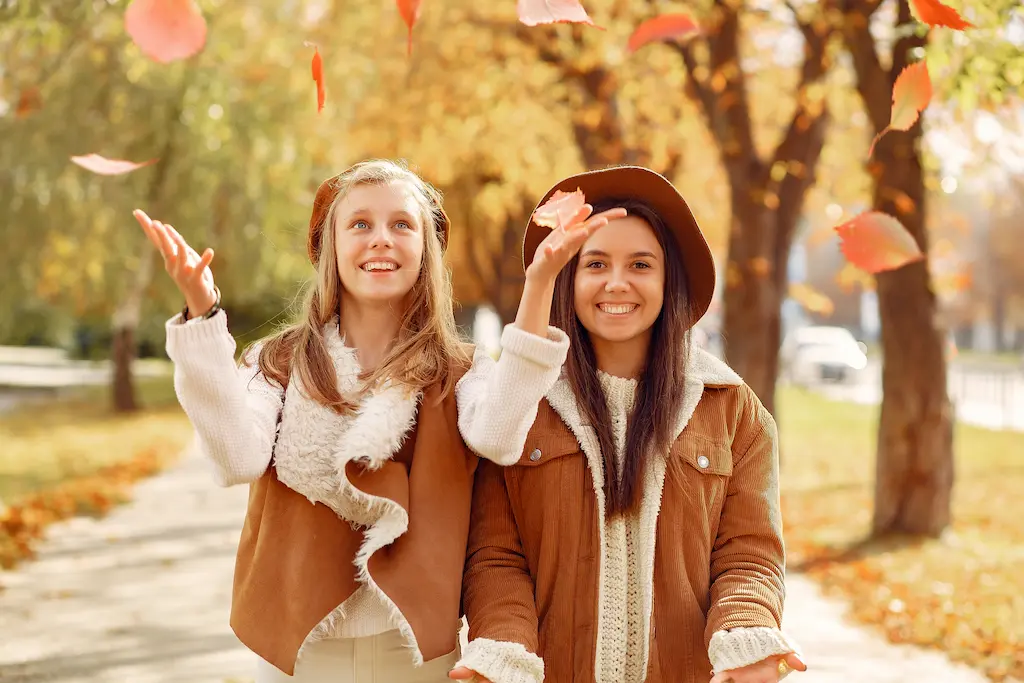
[(190, 271), (554, 252), (562, 243)]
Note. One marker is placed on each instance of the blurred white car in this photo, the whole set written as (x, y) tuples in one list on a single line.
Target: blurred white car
[(816, 354)]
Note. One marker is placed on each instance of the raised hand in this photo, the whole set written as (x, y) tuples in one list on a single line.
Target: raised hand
[(562, 243), (190, 271)]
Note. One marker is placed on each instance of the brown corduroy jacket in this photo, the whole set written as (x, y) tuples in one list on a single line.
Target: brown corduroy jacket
[(711, 535), (295, 561)]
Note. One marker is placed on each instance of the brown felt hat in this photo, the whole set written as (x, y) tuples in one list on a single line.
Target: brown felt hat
[(325, 194), (643, 184)]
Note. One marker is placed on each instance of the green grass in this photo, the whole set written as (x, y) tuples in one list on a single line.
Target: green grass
[(44, 444), (961, 592)]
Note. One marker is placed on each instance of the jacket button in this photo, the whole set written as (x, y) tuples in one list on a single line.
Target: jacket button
[(535, 456), (703, 461)]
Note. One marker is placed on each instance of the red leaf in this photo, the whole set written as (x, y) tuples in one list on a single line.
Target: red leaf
[(166, 30), (934, 13), (28, 102), (318, 78), (410, 12), (876, 242), (665, 27), (910, 95), (536, 12), (557, 211), (104, 166)]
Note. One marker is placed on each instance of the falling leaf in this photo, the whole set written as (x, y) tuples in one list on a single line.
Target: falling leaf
[(665, 27), (875, 242), (537, 12), (410, 12), (934, 13), (910, 96), (104, 166), (166, 30), (28, 102), (560, 209), (318, 77)]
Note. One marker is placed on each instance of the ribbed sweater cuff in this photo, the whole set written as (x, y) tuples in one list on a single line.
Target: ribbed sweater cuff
[(196, 333), (547, 351), (744, 646), (502, 662)]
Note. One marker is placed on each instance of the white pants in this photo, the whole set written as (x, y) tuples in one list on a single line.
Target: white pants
[(382, 658)]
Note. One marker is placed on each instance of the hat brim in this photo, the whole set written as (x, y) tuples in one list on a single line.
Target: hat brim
[(643, 184)]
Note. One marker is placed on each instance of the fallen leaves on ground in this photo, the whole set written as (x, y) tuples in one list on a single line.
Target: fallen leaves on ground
[(23, 522), (959, 593)]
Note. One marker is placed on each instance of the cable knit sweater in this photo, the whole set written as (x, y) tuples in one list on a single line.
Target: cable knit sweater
[(621, 648)]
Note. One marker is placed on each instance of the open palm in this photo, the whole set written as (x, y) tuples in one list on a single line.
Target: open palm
[(190, 271)]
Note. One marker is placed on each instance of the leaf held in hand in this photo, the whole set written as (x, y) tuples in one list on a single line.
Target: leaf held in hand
[(934, 13), (910, 96), (410, 13), (665, 27), (166, 30), (103, 166), (537, 12), (875, 242), (318, 77), (560, 209)]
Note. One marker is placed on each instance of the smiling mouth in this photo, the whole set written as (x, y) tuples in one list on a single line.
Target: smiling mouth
[(379, 266), (617, 309)]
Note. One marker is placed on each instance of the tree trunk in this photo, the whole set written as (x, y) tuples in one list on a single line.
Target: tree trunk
[(914, 466), (123, 353), (914, 461)]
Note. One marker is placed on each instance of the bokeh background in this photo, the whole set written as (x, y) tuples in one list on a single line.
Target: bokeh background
[(900, 397)]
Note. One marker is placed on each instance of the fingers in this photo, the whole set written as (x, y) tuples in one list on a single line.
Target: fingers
[(612, 214), (460, 673), (721, 678), (580, 216), (205, 261), (795, 662)]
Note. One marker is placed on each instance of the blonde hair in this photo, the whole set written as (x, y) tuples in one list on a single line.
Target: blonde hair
[(428, 343)]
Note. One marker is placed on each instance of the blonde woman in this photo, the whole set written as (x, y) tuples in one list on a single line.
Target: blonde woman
[(344, 425)]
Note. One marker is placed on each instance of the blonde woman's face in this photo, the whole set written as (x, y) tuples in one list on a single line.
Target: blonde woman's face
[(378, 237)]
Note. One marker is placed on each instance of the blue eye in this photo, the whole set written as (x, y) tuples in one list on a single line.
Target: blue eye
[(361, 225), (403, 225)]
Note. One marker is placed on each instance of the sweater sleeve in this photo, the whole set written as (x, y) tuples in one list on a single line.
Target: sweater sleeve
[(748, 556), (742, 647), (498, 590), (498, 400), (233, 409)]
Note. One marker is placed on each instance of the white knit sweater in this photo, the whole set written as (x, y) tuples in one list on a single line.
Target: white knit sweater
[(621, 648)]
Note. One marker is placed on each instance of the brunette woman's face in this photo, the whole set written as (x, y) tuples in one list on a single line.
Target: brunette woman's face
[(620, 281), (378, 237)]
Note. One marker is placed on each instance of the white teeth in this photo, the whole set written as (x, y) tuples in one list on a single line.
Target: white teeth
[(618, 309), (379, 265)]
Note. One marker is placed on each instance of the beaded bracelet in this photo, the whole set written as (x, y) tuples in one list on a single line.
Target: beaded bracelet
[(210, 313)]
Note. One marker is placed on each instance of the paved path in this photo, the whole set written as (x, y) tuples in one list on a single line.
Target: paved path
[(142, 596)]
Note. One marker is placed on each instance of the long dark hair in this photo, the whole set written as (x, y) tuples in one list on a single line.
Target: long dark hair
[(651, 427)]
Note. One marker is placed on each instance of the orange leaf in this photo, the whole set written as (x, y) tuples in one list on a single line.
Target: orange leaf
[(934, 13), (910, 95), (536, 12), (410, 12), (560, 209), (665, 27), (876, 242), (166, 30), (318, 77), (28, 101), (103, 166)]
